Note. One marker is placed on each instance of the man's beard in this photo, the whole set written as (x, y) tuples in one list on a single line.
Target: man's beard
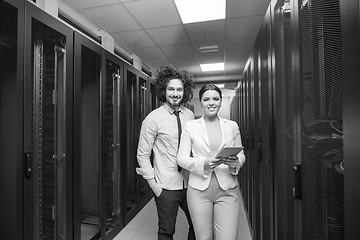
[(174, 104)]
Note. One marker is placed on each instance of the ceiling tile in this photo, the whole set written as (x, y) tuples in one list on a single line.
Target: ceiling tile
[(193, 70), (156, 63), (149, 53), (113, 18), (184, 61), (82, 4), (211, 58), (206, 31), (178, 50), (163, 14), (133, 39), (244, 27), (168, 35), (210, 73), (236, 8)]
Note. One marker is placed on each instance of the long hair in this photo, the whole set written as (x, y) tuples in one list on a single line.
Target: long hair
[(165, 74)]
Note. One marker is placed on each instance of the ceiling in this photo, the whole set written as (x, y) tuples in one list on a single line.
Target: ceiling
[(153, 31)]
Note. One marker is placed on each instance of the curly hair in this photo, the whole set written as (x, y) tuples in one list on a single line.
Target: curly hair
[(165, 74)]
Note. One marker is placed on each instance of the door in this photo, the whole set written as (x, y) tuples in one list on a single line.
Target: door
[(47, 138), (11, 118), (88, 144), (113, 184), (136, 189), (321, 98), (285, 124)]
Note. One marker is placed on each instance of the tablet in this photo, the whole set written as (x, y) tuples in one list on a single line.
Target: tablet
[(227, 151)]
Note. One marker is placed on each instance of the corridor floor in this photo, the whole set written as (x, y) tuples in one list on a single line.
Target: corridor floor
[(144, 225)]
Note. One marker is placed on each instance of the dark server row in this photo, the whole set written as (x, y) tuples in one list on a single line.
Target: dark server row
[(297, 105), (70, 118)]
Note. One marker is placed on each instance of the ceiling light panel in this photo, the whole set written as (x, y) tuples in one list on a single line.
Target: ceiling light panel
[(200, 10)]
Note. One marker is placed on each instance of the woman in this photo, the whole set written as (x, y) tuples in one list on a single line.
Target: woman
[(213, 194)]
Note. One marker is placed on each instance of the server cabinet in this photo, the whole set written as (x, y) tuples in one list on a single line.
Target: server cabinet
[(89, 152), (256, 110), (47, 127), (136, 192), (320, 88), (250, 122), (256, 142), (11, 115), (285, 123), (304, 56), (112, 134), (265, 132)]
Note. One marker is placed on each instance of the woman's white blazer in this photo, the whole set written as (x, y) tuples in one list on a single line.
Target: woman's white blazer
[(194, 149)]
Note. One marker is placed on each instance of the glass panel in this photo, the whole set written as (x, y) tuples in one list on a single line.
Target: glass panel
[(112, 145), (131, 185), (90, 143), (8, 117), (136, 186), (48, 66), (8, 60)]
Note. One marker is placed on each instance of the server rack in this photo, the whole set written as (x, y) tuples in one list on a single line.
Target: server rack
[(113, 116), (321, 86), (47, 127), (284, 116), (295, 77), (68, 108), (136, 192), (89, 172), (256, 100), (11, 126), (111, 100)]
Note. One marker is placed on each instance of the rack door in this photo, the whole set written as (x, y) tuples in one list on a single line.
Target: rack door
[(11, 128), (46, 124), (113, 183), (321, 96), (88, 165), (136, 188)]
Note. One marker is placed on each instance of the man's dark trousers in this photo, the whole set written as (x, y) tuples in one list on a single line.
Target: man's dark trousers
[(167, 205)]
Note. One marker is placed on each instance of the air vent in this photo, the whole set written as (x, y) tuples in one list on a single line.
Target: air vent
[(209, 49)]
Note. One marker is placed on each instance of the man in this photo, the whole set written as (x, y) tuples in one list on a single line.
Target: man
[(160, 133)]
